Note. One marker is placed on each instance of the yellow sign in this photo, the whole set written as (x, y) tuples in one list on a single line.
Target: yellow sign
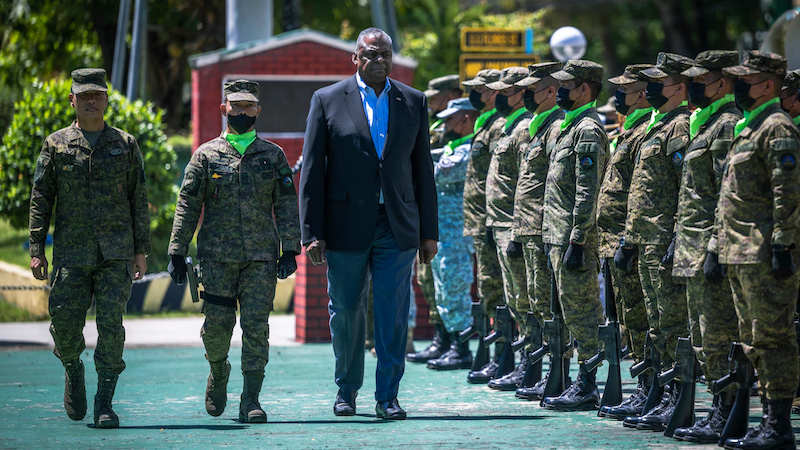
[(471, 63), (492, 40)]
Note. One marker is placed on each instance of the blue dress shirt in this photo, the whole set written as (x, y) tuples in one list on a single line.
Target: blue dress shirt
[(376, 107)]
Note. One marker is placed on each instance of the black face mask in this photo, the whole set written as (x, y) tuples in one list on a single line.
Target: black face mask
[(619, 103), (697, 95), (475, 100), (241, 123), (530, 103), (501, 103), (741, 93), (654, 95), (562, 99)]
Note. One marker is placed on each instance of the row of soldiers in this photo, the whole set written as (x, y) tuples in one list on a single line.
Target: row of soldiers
[(692, 214)]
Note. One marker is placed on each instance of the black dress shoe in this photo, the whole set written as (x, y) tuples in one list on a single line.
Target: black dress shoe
[(345, 403), (390, 410), (484, 375)]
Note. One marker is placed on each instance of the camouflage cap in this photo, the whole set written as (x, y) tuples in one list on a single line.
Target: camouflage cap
[(454, 106), (632, 74), (792, 80), (758, 62), (241, 91), (538, 71), (508, 77), (445, 83), (483, 77), (712, 60), (668, 64), (87, 80), (581, 69)]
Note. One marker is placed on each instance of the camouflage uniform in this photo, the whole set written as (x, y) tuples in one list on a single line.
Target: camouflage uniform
[(488, 129), (792, 83), (712, 317), (652, 205), (758, 208), (101, 222), (612, 210), (573, 182), (238, 245)]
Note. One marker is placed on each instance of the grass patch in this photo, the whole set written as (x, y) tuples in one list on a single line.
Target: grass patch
[(13, 313)]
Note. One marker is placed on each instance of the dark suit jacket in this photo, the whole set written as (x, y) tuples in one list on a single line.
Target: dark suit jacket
[(342, 176)]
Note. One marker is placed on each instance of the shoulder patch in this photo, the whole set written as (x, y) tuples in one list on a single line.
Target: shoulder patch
[(788, 162), (587, 162), (677, 158)]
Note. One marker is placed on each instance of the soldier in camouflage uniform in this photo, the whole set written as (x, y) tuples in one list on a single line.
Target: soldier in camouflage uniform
[(452, 265), (501, 184), (93, 174), (650, 225), (488, 129), (756, 236), (569, 226), (790, 95), (238, 181), (537, 146), (440, 92), (712, 317), (612, 210)]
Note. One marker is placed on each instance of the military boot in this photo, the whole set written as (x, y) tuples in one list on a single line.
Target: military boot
[(632, 406), (457, 357), (582, 395), (104, 416), (511, 381), (249, 409), (776, 429), (657, 420), (732, 442), (440, 344), (708, 429), (487, 372), (74, 390), (217, 388)]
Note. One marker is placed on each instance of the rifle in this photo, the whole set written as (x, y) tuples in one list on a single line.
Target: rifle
[(480, 328), (504, 333), (558, 345), (685, 372), (609, 334), (193, 275), (651, 362), (533, 370), (741, 373)]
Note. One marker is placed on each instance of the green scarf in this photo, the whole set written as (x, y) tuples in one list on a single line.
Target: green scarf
[(571, 115), (435, 125), (241, 141), (750, 115), (450, 147), (700, 115), (538, 120), (482, 119), (513, 118), (656, 116), (796, 121), (634, 116)]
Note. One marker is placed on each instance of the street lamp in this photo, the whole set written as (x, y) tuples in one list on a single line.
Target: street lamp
[(568, 43)]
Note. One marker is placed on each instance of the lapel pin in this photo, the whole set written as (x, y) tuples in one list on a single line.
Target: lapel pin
[(398, 99)]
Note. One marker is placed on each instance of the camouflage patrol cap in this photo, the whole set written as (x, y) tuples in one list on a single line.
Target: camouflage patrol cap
[(445, 83), (792, 80), (454, 106), (758, 62), (668, 64), (580, 69), (87, 80), (241, 91), (483, 77), (509, 76), (538, 71), (712, 60), (632, 74)]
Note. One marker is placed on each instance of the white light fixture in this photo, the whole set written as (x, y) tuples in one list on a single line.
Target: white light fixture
[(568, 43)]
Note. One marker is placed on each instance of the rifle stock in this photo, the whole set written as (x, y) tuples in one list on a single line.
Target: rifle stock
[(683, 416), (557, 345), (480, 328), (610, 335), (741, 373), (503, 332)]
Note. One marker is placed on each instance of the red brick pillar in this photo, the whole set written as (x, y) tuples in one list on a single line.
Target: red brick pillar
[(311, 302)]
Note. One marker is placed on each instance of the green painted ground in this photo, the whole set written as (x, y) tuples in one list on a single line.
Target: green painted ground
[(160, 404)]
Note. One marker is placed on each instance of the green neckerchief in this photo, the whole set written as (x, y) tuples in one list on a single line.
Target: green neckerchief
[(513, 118), (571, 115), (656, 116), (538, 120), (482, 119), (750, 115), (435, 125), (241, 141), (700, 115), (634, 116), (613, 144), (451, 146), (796, 121)]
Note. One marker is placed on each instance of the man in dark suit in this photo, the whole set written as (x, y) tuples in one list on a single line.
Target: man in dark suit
[(367, 204)]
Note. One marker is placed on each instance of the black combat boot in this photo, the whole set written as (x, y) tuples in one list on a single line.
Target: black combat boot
[(708, 429), (487, 372), (457, 357), (512, 380), (657, 420), (104, 416), (732, 442), (249, 409), (440, 344), (217, 388), (582, 395), (776, 429), (632, 406), (75, 390)]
